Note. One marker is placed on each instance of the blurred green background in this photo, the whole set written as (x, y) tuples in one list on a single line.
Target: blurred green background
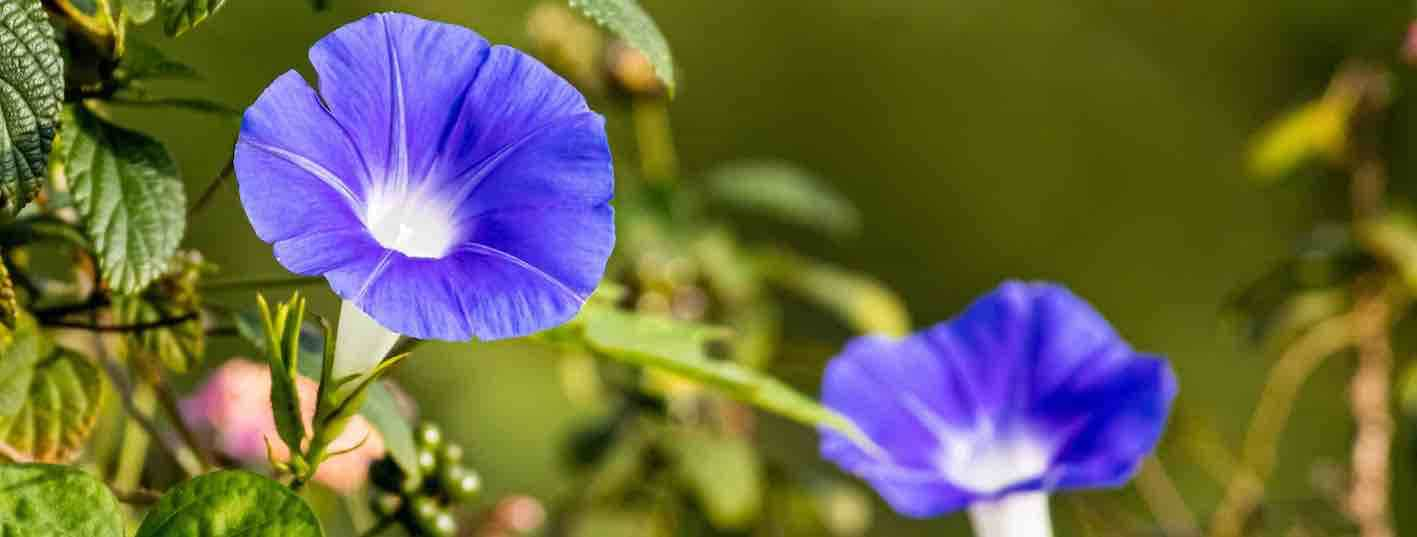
[(1092, 142)]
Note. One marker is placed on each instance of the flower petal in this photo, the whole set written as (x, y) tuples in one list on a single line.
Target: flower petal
[(1028, 389), (465, 295), (513, 99), (563, 164), (396, 83), (570, 246), (297, 171), (1108, 427)]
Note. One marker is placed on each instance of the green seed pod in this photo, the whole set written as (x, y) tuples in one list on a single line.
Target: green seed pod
[(427, 461), (429, 435), (386, 504), (444, 525), (461, 483), (450, 454), (425, 509)]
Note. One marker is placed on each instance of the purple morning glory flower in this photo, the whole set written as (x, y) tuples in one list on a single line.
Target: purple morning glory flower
[(446, 188), (1028, 391)]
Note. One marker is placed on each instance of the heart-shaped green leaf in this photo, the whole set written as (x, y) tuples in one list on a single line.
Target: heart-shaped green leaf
[(62, 394), (45, 500), (33, 78), (126, 188), (231, 503)]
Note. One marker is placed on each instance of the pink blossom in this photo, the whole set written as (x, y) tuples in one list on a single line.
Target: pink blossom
[(234, 408)]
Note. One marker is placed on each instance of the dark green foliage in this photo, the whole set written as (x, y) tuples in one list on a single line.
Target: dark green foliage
[(245, 504), (42, 500), (33, 71), (129, 196)]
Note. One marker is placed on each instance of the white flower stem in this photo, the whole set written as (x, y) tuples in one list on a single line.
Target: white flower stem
[(361, 342), (1015, 515)]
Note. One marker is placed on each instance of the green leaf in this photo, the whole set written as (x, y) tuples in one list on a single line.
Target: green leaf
[(864, 303), (724, 473), (128, 194), (627, 20), (18, 359), (138, 11), (9, 303), (178, 16), (33, 77), (142, 61), (180, 347), (1316, 130), (231, 503), (61, 399), (786, 191), (679, 348), (319, 5), (44, 500), (381, 407)]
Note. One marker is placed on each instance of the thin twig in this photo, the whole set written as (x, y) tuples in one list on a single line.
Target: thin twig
[(208, 193), (125, 389), (1281, 388), (1368, 391), (135, 327), (1163, 499), (167, 401), (95, 301)]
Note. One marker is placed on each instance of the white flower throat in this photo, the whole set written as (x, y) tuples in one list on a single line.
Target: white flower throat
[(416, 224)]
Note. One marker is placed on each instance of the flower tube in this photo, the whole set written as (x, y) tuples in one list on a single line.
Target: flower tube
[(446, 188), (1027, 392)]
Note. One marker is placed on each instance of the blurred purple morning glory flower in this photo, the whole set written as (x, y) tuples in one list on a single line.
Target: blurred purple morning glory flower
[(1028, 391), (447, 189)]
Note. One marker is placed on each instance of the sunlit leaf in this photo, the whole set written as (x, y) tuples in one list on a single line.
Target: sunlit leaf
[(724, 473), (43, 500), (787, 192), (627, 20), (231, 503), (33, 77), (179, 16), (866, 304), (679, 348), (1316, 130), (126, 188), (138, 11), (62, 393)]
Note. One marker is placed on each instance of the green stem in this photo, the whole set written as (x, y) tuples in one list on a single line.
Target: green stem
[(238, 284), (133, 452), (207, 194), (655, 139)]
